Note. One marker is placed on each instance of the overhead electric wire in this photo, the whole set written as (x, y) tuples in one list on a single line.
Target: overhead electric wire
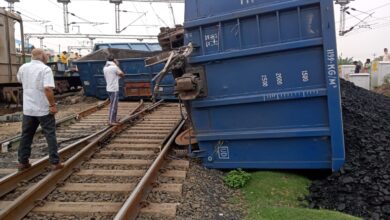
[(85, 20), (32, 26), (363, 30), (142, 19), (362, 12), (356, 25), (376, 18), (33, 19), (133, 22), (135, 12), (151, 6), (369, 23), (25, 12), (144, 24), (76, 16), (361, 20), (53, 3), (381, 6), (32, 16), (373, 27), (382, 18), (370, 10), (173, 13)]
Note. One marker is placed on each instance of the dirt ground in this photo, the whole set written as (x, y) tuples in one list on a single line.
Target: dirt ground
[(66, 107), (384, 90)]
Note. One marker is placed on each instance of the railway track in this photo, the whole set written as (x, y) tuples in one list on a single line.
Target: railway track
[(69, 129), (110, 176), (8, 108)]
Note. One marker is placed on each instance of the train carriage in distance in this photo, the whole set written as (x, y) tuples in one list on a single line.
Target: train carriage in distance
[(10, 60), (139, 80)]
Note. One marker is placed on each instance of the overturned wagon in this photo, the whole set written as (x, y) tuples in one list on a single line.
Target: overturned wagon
[(264, 84)]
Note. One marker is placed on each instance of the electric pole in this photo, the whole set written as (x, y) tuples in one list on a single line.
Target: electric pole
[(66, 12), (11, 4), (117, 14), (41, 42), (343, 9)]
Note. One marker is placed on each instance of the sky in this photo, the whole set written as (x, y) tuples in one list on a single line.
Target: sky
[(366, 41), (145, 18)]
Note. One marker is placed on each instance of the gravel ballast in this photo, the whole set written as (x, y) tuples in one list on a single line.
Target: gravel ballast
[(361, 188), (205, 196)]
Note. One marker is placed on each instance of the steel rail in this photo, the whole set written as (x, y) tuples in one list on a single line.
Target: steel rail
[(13, 141), (94, 109), (130, 118), (10, 182), (28, 200), (67, 94), (132, 206)]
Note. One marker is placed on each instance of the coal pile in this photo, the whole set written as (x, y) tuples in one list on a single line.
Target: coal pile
[(362, 187)]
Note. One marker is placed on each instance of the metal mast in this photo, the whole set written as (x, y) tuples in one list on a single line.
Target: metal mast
[(343, 8), (11, 4), (117, 15), (66, 12)]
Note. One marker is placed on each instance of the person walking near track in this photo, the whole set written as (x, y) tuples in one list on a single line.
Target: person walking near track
[(112, 74), (39, 108)]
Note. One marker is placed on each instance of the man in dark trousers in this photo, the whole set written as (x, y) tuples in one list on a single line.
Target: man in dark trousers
[(357, 66), (112, 74), (39, 108)]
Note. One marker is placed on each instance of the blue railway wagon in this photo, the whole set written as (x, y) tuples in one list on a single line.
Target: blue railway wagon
[(138, 82), (129, 46), (166, 88), (273, 93)]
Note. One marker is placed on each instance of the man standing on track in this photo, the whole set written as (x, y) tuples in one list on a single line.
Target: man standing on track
[(39, 108), (112, 74)]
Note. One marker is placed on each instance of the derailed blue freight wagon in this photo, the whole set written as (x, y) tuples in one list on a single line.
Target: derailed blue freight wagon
[(137, 83), (271, 93)]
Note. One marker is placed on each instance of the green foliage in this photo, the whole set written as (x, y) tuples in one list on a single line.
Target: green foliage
[(278, 213), (237, 179), (276, 196), (380, 58), (345, 61)]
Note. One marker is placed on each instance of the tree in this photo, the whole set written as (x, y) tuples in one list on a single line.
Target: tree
[(379, 58), (345, 61)]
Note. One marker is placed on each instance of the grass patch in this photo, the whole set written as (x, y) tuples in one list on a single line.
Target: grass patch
[(237, 179), (275, 196)]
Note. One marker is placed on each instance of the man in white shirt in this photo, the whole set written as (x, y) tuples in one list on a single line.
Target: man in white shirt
[(386, 57), (39, 108), (112, 74)]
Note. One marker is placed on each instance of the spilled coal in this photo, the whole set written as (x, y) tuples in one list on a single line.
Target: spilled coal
[(362, 187)]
